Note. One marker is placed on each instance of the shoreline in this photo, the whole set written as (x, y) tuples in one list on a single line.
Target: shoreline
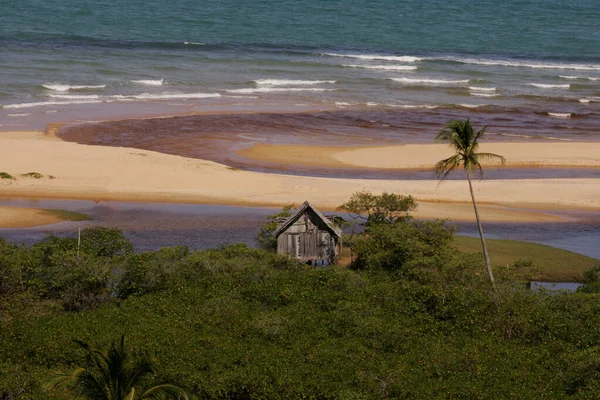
[(126, 174)]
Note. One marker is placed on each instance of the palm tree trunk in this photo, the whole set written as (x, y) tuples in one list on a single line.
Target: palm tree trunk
[(485, 250)]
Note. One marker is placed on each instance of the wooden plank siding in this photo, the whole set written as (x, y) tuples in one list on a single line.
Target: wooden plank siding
[(309, 238)]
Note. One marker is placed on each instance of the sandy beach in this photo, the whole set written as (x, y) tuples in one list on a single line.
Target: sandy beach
[(75, 171)]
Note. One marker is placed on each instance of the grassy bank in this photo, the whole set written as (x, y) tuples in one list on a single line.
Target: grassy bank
[(555, 265), (66, 215)]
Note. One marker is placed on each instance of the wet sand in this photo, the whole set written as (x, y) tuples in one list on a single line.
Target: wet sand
[(128, 174), (18, 217), (423, 156)]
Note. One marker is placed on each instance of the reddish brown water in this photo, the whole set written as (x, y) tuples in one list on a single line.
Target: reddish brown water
[(216, 137)]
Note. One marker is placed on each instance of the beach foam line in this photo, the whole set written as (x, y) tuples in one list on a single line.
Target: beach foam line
[(289, 82), (471, 105), (277, 90), (585, 101), (194, 43), (166, 96), (75, 97), (430, 81), (375, 57), (513, 135), (550, 86), (407, 106), (50, 103), (588, 78), (383, 67), (482, 89), (149, 82), (521, 64), (559, 115), (556, 138), (17, 115), (62, 87), (483, 94)]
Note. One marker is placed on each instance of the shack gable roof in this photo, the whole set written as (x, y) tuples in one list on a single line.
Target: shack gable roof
[(303, 209)]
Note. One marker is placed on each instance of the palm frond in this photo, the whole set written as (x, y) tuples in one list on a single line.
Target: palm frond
[(491, 157), (165, 391), (444, 167)]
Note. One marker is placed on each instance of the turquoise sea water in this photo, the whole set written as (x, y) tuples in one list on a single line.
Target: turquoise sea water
[(530, 69)]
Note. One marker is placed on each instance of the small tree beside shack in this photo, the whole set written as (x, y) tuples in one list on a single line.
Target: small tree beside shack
[(309, 236)]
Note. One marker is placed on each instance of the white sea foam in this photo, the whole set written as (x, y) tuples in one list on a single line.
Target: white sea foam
[(376, 57), (75, 97), (167, 96), (276, 90), (62, 87), (430, 81), (288, 82), (194, 43), (150, 82), (584, 100), (560, 115), (589, 78), (482, 89), (50, 103), (556, 138), (471, 105), (483, 94), (383, 67), (550, 86), (17, 115), (525, 64), (514, 135), (409, 106)]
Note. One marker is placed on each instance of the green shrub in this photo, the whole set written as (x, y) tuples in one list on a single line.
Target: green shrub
[(34, 175), (105, 242), (6, 175)]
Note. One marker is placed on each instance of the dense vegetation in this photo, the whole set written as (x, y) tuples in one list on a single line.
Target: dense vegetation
[(412, 318)]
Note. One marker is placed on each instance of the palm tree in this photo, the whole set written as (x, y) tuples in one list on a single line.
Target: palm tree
[(113, 375), (464, 140)]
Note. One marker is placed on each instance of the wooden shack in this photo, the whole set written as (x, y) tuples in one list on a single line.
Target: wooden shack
[(309, 236)]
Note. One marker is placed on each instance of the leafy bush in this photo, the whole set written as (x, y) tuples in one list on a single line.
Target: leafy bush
[(6, 175), (265, 236), (404, 246), (105, 242), (591, 279), (34, 175), (375, 209)]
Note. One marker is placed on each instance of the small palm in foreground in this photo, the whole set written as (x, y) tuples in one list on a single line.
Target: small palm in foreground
[(465, 142), (113, 375)]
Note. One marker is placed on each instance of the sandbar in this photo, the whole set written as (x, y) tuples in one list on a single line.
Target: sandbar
[(424, 156), (20, 217), (76, 171)]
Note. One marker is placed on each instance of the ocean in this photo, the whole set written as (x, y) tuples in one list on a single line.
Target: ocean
[(353, 70)]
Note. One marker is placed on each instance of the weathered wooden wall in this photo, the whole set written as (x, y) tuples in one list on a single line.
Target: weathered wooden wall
[(308, 239)]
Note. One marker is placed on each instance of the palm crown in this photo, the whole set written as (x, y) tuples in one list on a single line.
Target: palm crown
[(114, 375), (465, 141)]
